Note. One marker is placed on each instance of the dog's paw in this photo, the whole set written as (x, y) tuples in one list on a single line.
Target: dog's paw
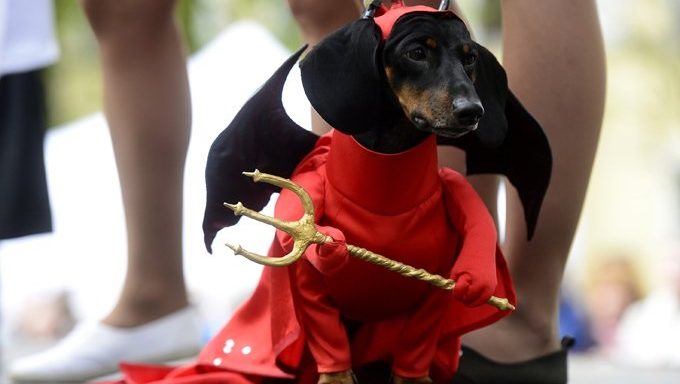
[(328, 257), (473, 291), (403, 380), (344, 377)]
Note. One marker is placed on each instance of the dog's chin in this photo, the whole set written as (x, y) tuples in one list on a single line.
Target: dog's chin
[(453, 132)]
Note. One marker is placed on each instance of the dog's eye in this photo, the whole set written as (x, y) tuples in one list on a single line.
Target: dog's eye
[(417, 54), (470, 59)]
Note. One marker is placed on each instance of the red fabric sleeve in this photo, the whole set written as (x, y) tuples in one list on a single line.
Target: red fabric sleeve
[(325, 333), (475, 268)]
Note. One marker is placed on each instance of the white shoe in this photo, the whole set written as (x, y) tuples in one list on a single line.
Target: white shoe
[(95, 349)]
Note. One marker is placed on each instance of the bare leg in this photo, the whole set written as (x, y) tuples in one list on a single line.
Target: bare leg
[(554, 56), (316, 19), (146, 99)]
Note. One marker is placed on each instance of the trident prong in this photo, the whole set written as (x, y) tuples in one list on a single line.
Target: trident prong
[(304, 232)]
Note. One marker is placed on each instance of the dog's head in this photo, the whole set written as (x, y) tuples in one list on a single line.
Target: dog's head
[(430, 63), (418, 66), (414, 63)]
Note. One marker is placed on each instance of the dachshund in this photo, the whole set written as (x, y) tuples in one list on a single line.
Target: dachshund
[(424, 68), (393, 85)]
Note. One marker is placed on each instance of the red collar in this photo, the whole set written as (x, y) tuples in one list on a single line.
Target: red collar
[(386, 184)]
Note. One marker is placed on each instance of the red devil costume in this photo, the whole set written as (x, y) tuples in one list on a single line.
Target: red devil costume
[(330, 312), (415, 214), (418, 214)]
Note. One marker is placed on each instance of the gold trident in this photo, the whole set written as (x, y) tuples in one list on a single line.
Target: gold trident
[(304, 233)]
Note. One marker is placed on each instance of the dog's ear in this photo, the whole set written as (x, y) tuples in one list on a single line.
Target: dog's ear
[(491, 84), (508, 140), (342, 78)]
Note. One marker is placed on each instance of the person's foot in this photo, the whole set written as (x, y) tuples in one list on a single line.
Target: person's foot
[(515, 338), (95, 349)]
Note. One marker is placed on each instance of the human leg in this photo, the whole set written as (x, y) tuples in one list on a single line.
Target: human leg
[(476, 368), (554, 57), (316, 19), (146, 100)]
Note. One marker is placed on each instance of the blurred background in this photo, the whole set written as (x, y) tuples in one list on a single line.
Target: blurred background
[(623, 276)]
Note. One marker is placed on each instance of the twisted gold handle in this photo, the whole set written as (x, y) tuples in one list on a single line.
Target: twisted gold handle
[(304, 232)]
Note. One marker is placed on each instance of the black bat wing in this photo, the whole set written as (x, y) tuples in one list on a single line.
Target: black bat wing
[(261, 136), (523, 156)]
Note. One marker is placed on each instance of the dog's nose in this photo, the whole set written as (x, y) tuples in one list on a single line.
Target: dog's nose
[(467, 112)]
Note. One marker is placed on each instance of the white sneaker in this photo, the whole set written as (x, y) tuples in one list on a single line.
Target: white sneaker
[(95, 349)]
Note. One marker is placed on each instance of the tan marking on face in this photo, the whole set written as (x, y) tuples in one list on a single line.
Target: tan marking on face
[(440, 106), (430, 104), (424, 104), (466, 49), (409, 98), (389, 72), (430, 42), (440, 98)]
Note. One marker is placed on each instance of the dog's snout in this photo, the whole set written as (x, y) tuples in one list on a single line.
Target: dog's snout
[(467, 112)]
